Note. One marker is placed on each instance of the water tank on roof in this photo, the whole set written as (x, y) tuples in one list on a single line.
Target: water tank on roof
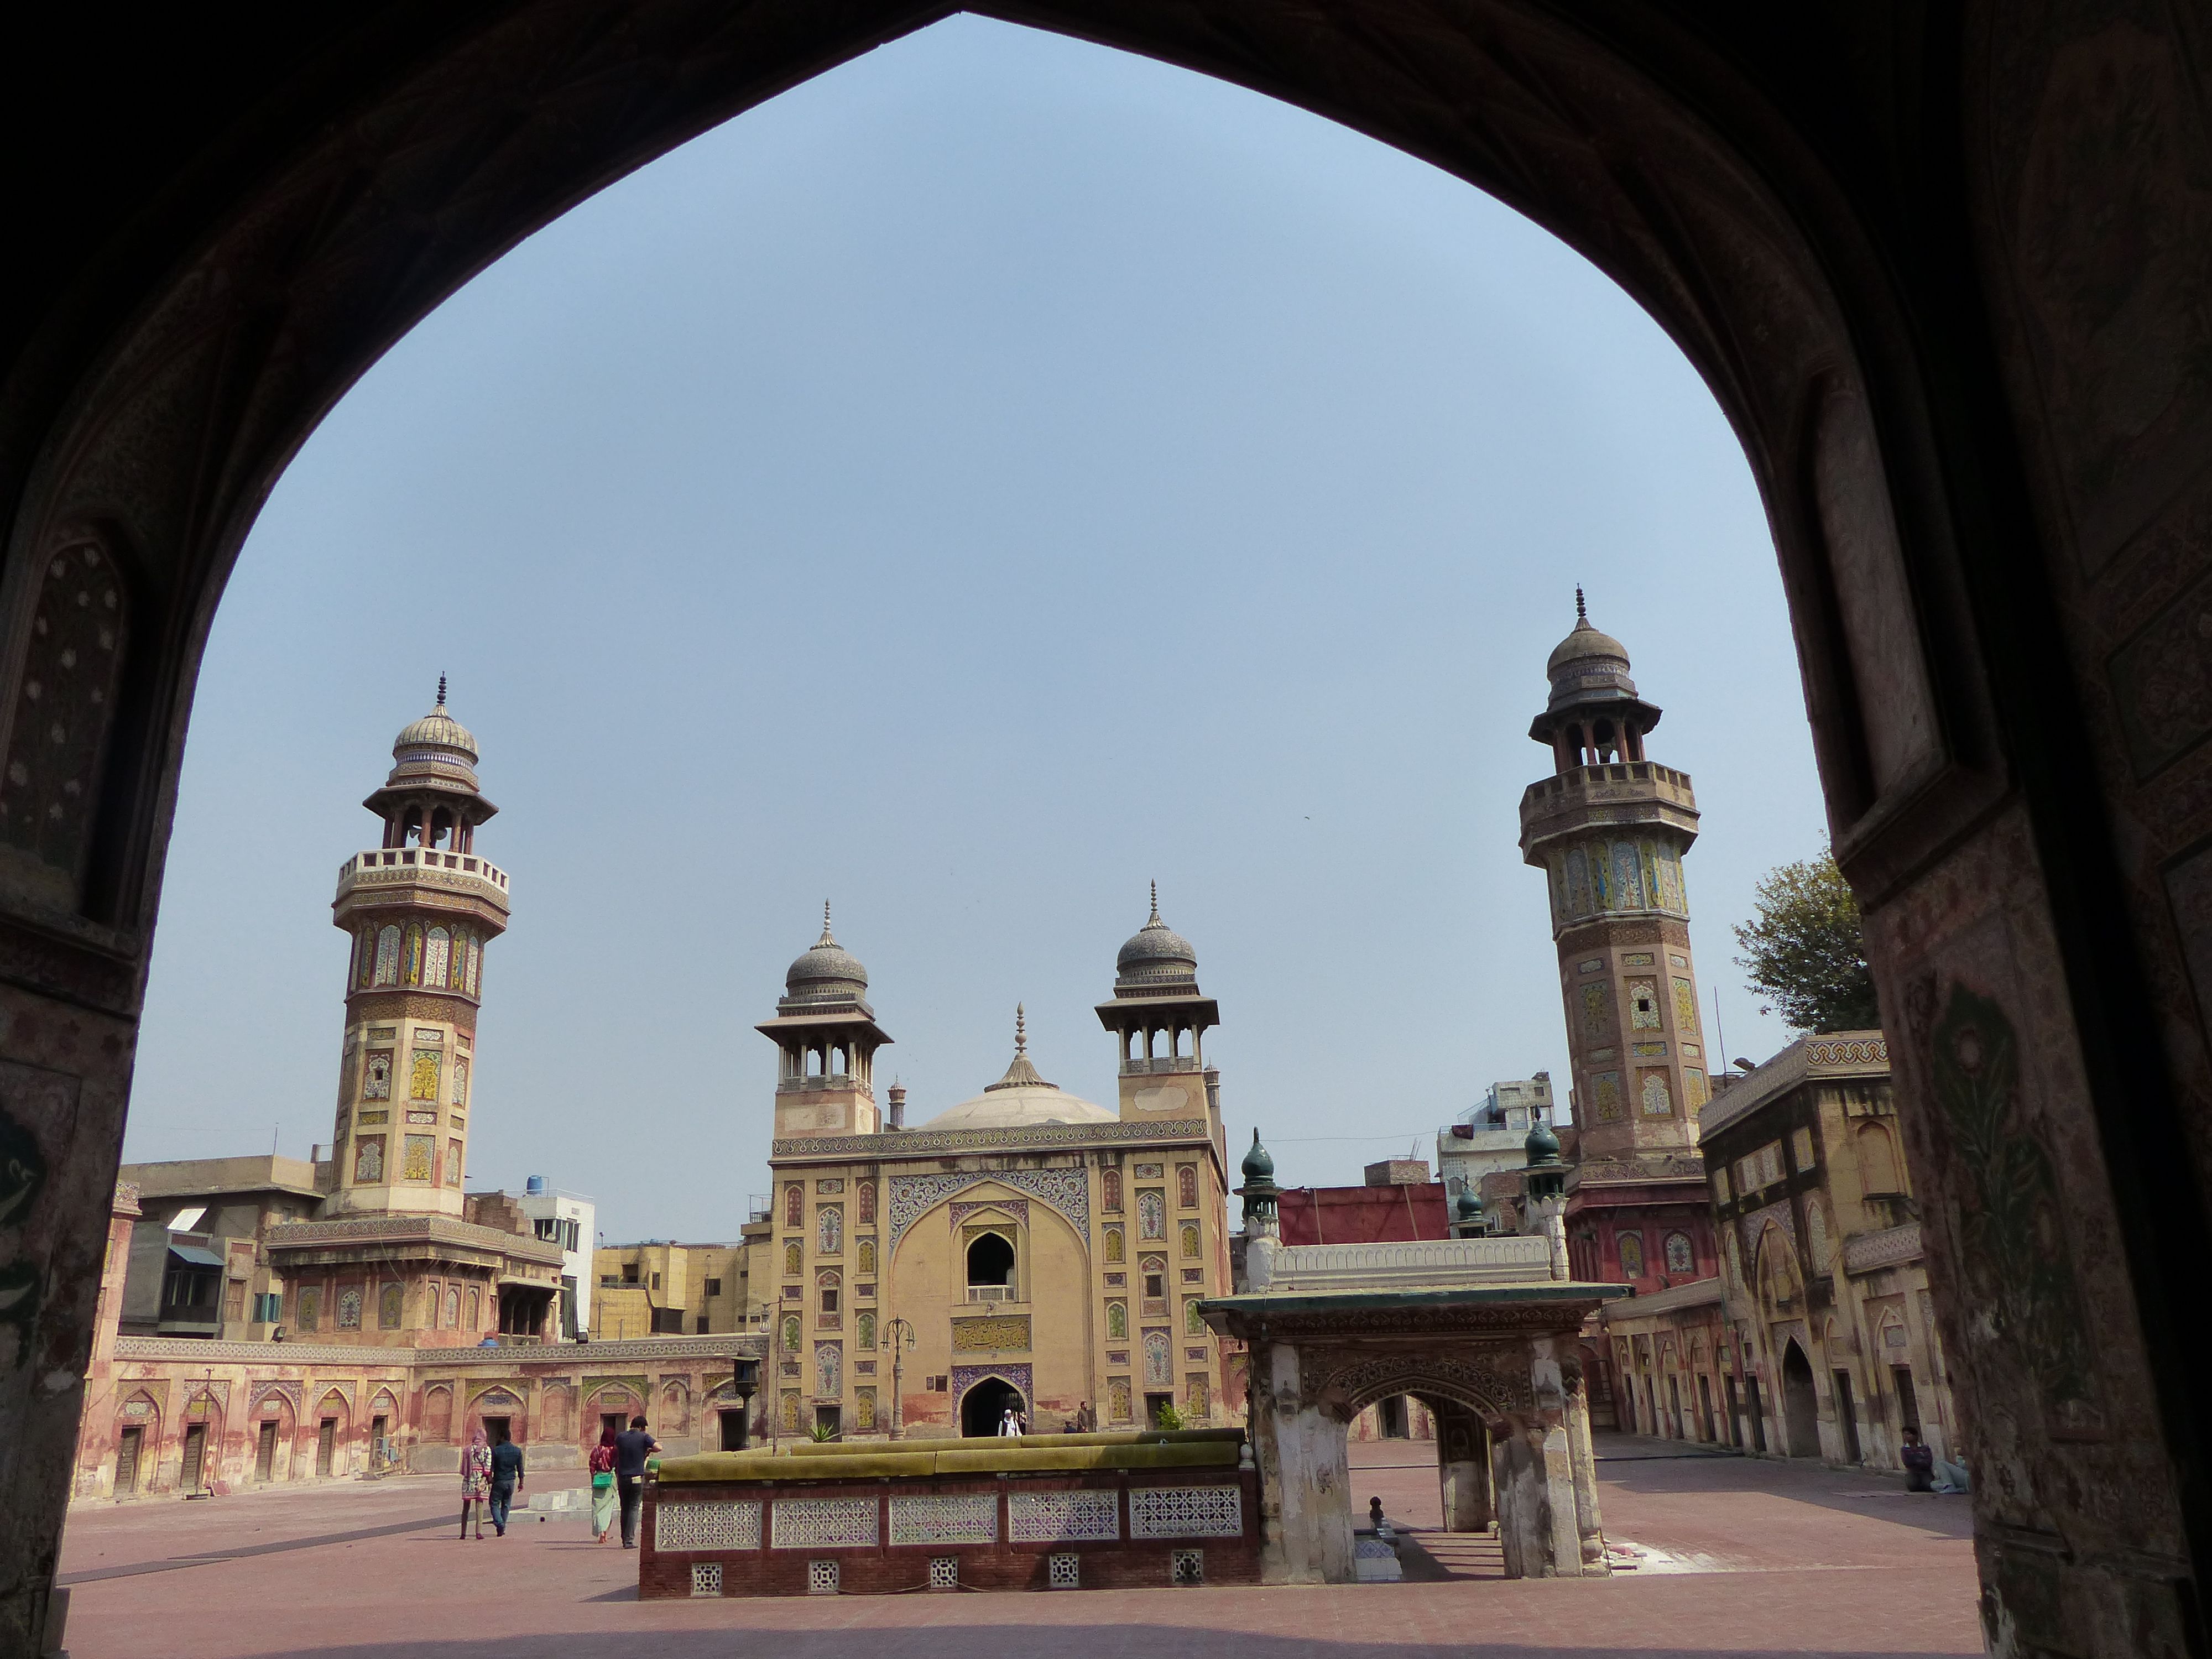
[(535, 1185)]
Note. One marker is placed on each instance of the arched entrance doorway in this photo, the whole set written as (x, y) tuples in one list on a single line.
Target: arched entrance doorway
[(985, 1405), (1801, 1404), (1958, 492)]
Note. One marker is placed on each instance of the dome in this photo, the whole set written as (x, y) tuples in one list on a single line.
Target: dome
[(1258, 1162), (827, 969), (1585, 643), (1469, 1206), (1542, 1146), (436, 751), (1019, 1100), (436, 729), (1156, 952)]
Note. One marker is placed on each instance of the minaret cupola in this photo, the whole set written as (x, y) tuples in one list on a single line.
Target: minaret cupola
[(1161, 1018), (432, 798), (828, 1038), (1594, 715)]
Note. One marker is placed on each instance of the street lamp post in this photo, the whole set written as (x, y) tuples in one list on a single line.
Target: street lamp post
[(901, 1338)]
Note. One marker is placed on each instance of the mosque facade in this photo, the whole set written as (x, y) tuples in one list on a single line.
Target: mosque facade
[(1024, 1249)]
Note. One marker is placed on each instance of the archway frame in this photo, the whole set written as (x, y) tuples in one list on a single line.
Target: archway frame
[(385, 164)]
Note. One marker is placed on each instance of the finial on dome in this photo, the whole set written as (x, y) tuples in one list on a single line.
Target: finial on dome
[(1021, 1030), (441, 690), (826, 938), (1156, 901), (1582, 613)]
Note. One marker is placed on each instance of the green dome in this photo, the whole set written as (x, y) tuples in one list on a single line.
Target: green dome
[(1257, 1165), (1542, 1146), (1470, 1203)]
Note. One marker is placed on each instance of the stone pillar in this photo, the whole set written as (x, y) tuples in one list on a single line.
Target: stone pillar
[(1589, 1531), (1524, 1523), (1305, 1502)]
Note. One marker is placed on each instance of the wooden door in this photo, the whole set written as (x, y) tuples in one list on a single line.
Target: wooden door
[(265, 1454), (327, 1445), (126, 1460), (195, 1454)]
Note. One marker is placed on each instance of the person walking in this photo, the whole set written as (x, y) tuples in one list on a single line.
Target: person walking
[(632, 1447), (1007, 1427), (603, 1484), (506, 1479), (476, 1480)]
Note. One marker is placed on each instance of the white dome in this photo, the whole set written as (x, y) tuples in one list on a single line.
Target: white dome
[(1018, 1107)]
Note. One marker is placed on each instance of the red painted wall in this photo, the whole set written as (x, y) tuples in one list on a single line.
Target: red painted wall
[(1363, 1215)]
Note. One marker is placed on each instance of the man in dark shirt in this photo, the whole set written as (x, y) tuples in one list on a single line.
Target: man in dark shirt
[(506, 1476), (632, 1448)]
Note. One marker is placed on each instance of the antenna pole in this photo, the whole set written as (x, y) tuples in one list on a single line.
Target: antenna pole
[(1727, 1064)]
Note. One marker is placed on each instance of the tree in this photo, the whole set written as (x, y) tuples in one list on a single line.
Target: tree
[(1805, 948)]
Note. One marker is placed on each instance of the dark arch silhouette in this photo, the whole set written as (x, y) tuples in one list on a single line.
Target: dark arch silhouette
[(1826, 213)]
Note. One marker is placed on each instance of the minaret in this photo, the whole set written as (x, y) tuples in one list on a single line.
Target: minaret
[(1609, 828), (1161, 1018), (825, 1082), (420, 909)]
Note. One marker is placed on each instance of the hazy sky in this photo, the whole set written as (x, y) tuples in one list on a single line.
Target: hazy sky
[(992, 475)]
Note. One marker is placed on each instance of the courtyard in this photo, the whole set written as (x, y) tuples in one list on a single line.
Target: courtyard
[(1731, 1555)]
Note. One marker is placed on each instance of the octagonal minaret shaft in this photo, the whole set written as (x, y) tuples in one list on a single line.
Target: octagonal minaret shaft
[(421, 910), (1608, 828)]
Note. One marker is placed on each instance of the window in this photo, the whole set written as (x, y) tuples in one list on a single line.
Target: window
[(713, 1287), (702, 1325), (656, 1281), (268, 1307), (1155, 1286), (830, 1298), (629, 1272), (1680, 1258), (1631, 1247)]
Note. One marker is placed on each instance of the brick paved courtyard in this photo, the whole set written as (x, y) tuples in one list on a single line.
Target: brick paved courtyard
[(1742, 1557)]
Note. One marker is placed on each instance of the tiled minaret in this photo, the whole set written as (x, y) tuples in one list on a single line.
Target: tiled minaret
[(421, 908), (1608, 828)]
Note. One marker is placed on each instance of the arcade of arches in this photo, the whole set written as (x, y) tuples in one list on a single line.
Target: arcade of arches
[(1946, 269)]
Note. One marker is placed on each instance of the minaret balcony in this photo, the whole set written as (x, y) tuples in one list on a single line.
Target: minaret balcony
[(394, 865), (1142, 1067), (1619, 791)]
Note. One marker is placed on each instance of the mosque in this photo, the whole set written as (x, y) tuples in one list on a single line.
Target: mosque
[(1024, 1250)]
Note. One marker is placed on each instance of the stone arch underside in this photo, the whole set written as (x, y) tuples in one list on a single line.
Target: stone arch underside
[(200, 348)]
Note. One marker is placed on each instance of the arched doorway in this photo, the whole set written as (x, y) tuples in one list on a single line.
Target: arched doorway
[(1801, 1404), (984, 1406), (1870, 368)]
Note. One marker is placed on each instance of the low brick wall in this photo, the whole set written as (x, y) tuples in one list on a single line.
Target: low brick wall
[(812, 1532)]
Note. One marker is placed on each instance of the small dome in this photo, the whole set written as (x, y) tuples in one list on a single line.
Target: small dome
[(1469, 1204), (826, 970), (1258, 1163), (1019, 1100), (1542, 1146), (436, 729), (1156, 952), (1585, 644)]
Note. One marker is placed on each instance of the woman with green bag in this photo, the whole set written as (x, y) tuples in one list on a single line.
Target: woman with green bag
[(603, 1484)]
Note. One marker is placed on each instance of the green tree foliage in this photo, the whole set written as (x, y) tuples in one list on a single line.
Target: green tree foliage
[(1806, 950)]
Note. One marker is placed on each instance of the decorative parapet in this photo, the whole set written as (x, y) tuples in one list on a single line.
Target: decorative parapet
[(916, 1143), (1838, 1055), (1865, 1252), (1424, 1264), (571, 1355), (391, 865), (411, 1230)]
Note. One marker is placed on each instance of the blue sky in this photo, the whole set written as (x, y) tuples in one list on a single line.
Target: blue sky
[(990, 476)]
